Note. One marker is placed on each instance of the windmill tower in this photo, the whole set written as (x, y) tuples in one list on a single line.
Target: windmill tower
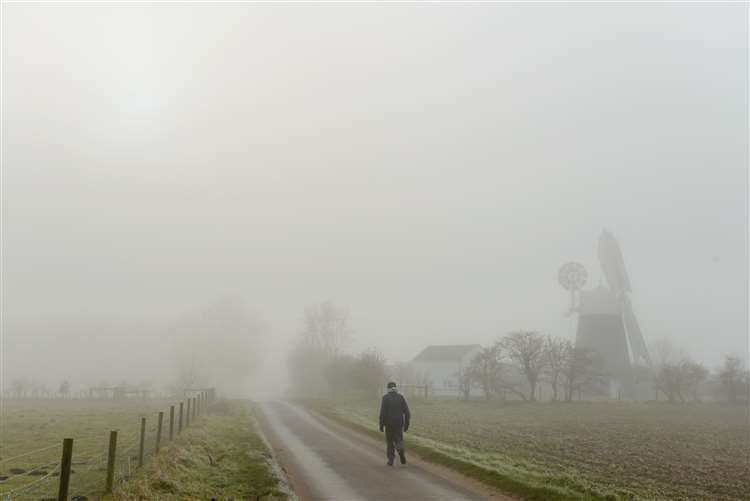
[(606, 322)]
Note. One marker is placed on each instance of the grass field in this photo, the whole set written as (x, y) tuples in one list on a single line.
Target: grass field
[(615, 450), (38, 426)]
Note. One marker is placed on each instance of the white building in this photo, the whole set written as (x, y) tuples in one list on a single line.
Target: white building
[(439, 365)]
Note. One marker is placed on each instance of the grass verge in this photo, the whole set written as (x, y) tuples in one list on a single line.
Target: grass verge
[(220, 456)]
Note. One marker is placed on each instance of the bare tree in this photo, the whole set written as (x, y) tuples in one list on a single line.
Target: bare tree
[(64, 388), (485, 370), (670, 380), (526, 349), (557, 352), (40, 390), (675, 379), (676, 374), (20, 386), (465, 382), (732, 377), (326, 328), (324, 333), (582, 372), (668, 373), (694, 374)]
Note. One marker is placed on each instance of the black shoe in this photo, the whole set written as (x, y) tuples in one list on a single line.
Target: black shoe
[(402, 457), (390, 462)]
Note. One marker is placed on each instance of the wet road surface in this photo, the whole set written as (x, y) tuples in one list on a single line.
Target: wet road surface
[(324, 464)]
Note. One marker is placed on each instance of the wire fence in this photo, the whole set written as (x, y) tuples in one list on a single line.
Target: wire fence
[(91, 469)]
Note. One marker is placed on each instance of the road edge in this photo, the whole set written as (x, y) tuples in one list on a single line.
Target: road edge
[(293, 480)]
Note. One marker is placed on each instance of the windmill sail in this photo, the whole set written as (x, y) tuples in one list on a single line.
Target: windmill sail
[(616, 274), (613, 264), (637, 344)]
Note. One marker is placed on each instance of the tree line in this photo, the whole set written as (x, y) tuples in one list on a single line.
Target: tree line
[(516, 365), (519, 362), (522, 360), (23, 387), (679, 377)]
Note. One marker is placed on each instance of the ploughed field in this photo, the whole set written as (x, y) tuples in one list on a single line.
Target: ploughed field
[(618, 450), (224, 439)]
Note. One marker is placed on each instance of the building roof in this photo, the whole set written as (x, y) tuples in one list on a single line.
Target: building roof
[(446, 352)]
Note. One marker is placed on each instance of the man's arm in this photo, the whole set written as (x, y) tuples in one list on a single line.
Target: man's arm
[(382, 414), (407, 414)]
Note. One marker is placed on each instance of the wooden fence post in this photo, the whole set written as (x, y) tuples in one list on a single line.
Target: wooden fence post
[(187, 414), (66, 462), (179, 424), (143, 438), (195, 410), (158, 431), (171, 422), (111, 461)]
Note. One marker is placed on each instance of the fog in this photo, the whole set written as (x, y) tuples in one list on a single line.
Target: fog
[(428, 168)]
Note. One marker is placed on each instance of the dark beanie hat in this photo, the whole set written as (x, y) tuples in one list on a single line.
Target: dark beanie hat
[(391, 385)]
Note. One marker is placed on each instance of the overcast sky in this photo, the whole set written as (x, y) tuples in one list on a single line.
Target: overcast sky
[(427, 167)]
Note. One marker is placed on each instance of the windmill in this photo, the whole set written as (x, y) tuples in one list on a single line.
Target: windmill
[(606, 321)]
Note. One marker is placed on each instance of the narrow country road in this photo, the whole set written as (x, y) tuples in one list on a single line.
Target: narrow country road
[(325, 464)]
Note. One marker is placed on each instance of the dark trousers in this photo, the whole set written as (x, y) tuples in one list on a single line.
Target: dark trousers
[(394, 440)]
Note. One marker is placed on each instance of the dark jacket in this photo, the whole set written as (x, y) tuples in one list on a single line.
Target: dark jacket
[(394, 412)]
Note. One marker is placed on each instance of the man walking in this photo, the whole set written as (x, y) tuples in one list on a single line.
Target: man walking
[(394, 418)]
